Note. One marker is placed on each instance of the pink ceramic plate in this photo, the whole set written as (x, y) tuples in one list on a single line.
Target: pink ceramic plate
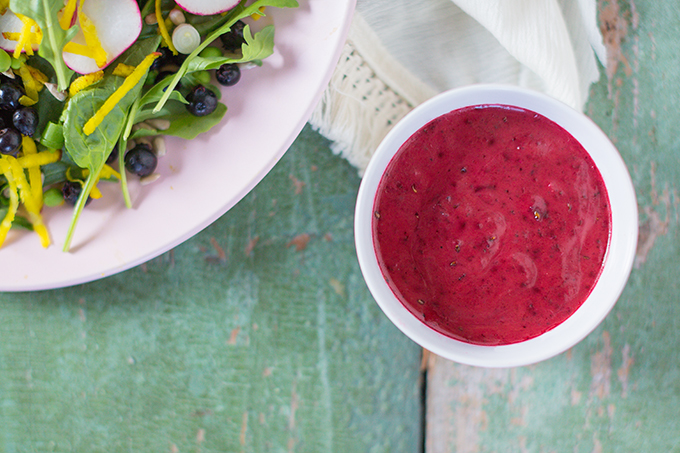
[(200, 179)]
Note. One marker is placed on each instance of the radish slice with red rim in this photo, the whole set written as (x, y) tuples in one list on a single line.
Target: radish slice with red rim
[(206, 7), (10, 23), (118, 24)]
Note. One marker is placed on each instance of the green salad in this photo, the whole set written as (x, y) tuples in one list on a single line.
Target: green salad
[(87, 86)]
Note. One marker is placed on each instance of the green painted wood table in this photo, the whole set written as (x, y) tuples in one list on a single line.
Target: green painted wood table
[(619, 389), (259, 335)]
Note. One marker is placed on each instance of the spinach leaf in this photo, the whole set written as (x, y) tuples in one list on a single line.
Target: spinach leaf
[(44, 12), (182, 123), (256, 48), (91, 151)]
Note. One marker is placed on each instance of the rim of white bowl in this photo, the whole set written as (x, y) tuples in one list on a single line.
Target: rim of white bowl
[(618, 261)]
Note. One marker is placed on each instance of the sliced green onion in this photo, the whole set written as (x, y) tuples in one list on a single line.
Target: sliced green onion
[(186, 38), (5, 61), (53, 136)]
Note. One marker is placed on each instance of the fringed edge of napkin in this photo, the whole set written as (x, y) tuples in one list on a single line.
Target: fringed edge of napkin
[(366, 75)]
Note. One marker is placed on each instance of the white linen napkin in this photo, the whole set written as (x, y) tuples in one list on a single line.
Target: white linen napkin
[(400, 53)]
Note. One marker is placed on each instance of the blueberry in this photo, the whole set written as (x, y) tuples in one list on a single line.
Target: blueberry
[(228, 74), (10, 141), (9, 96), (202, 101), (25, 120), (141, 160), (233, 39), (165, 58), (71, 191)]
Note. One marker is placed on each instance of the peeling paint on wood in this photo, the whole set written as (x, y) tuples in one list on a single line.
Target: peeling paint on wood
[(300, 242)]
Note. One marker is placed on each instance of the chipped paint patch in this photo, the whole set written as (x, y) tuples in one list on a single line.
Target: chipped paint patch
[(294, 405), (614, 29), (300, 242), (221, 255), (297, 184), (601, 369), (597, 445), (457, 394), (653, 226), (624, 370), (337, 286), (250, 246), (244, 429), (233, 336)]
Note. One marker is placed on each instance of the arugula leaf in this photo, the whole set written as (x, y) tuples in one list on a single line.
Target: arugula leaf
[(239, 12), (157, 91), (256, 47), (44, 12)]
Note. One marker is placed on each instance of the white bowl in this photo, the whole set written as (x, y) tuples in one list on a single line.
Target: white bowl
[(618, 260)]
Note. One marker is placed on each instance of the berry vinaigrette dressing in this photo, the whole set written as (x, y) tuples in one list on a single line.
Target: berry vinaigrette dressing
[(491, 224)]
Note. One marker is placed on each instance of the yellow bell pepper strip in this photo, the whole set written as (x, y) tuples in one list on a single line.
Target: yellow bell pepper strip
[(30, 85), (26, 101), (27, 198), (40, 78), (107, 172), (6, 223), (259, 14), (34, 176), (13, 170), (14, 36), (123, 70), (67, 14), (163, 28), (84, 81), (30, 34), (91, 38), (81, 49), (39, 159), (34, 81), (129, 83)]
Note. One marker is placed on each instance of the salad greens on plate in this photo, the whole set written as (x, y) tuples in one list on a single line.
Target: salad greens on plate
[(86, 86)]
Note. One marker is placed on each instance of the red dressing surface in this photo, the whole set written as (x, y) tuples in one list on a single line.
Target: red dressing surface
[(491, 224)]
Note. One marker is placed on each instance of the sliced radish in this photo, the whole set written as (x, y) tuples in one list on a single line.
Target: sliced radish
[(118, 24), (10, 23), (206, 7)]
